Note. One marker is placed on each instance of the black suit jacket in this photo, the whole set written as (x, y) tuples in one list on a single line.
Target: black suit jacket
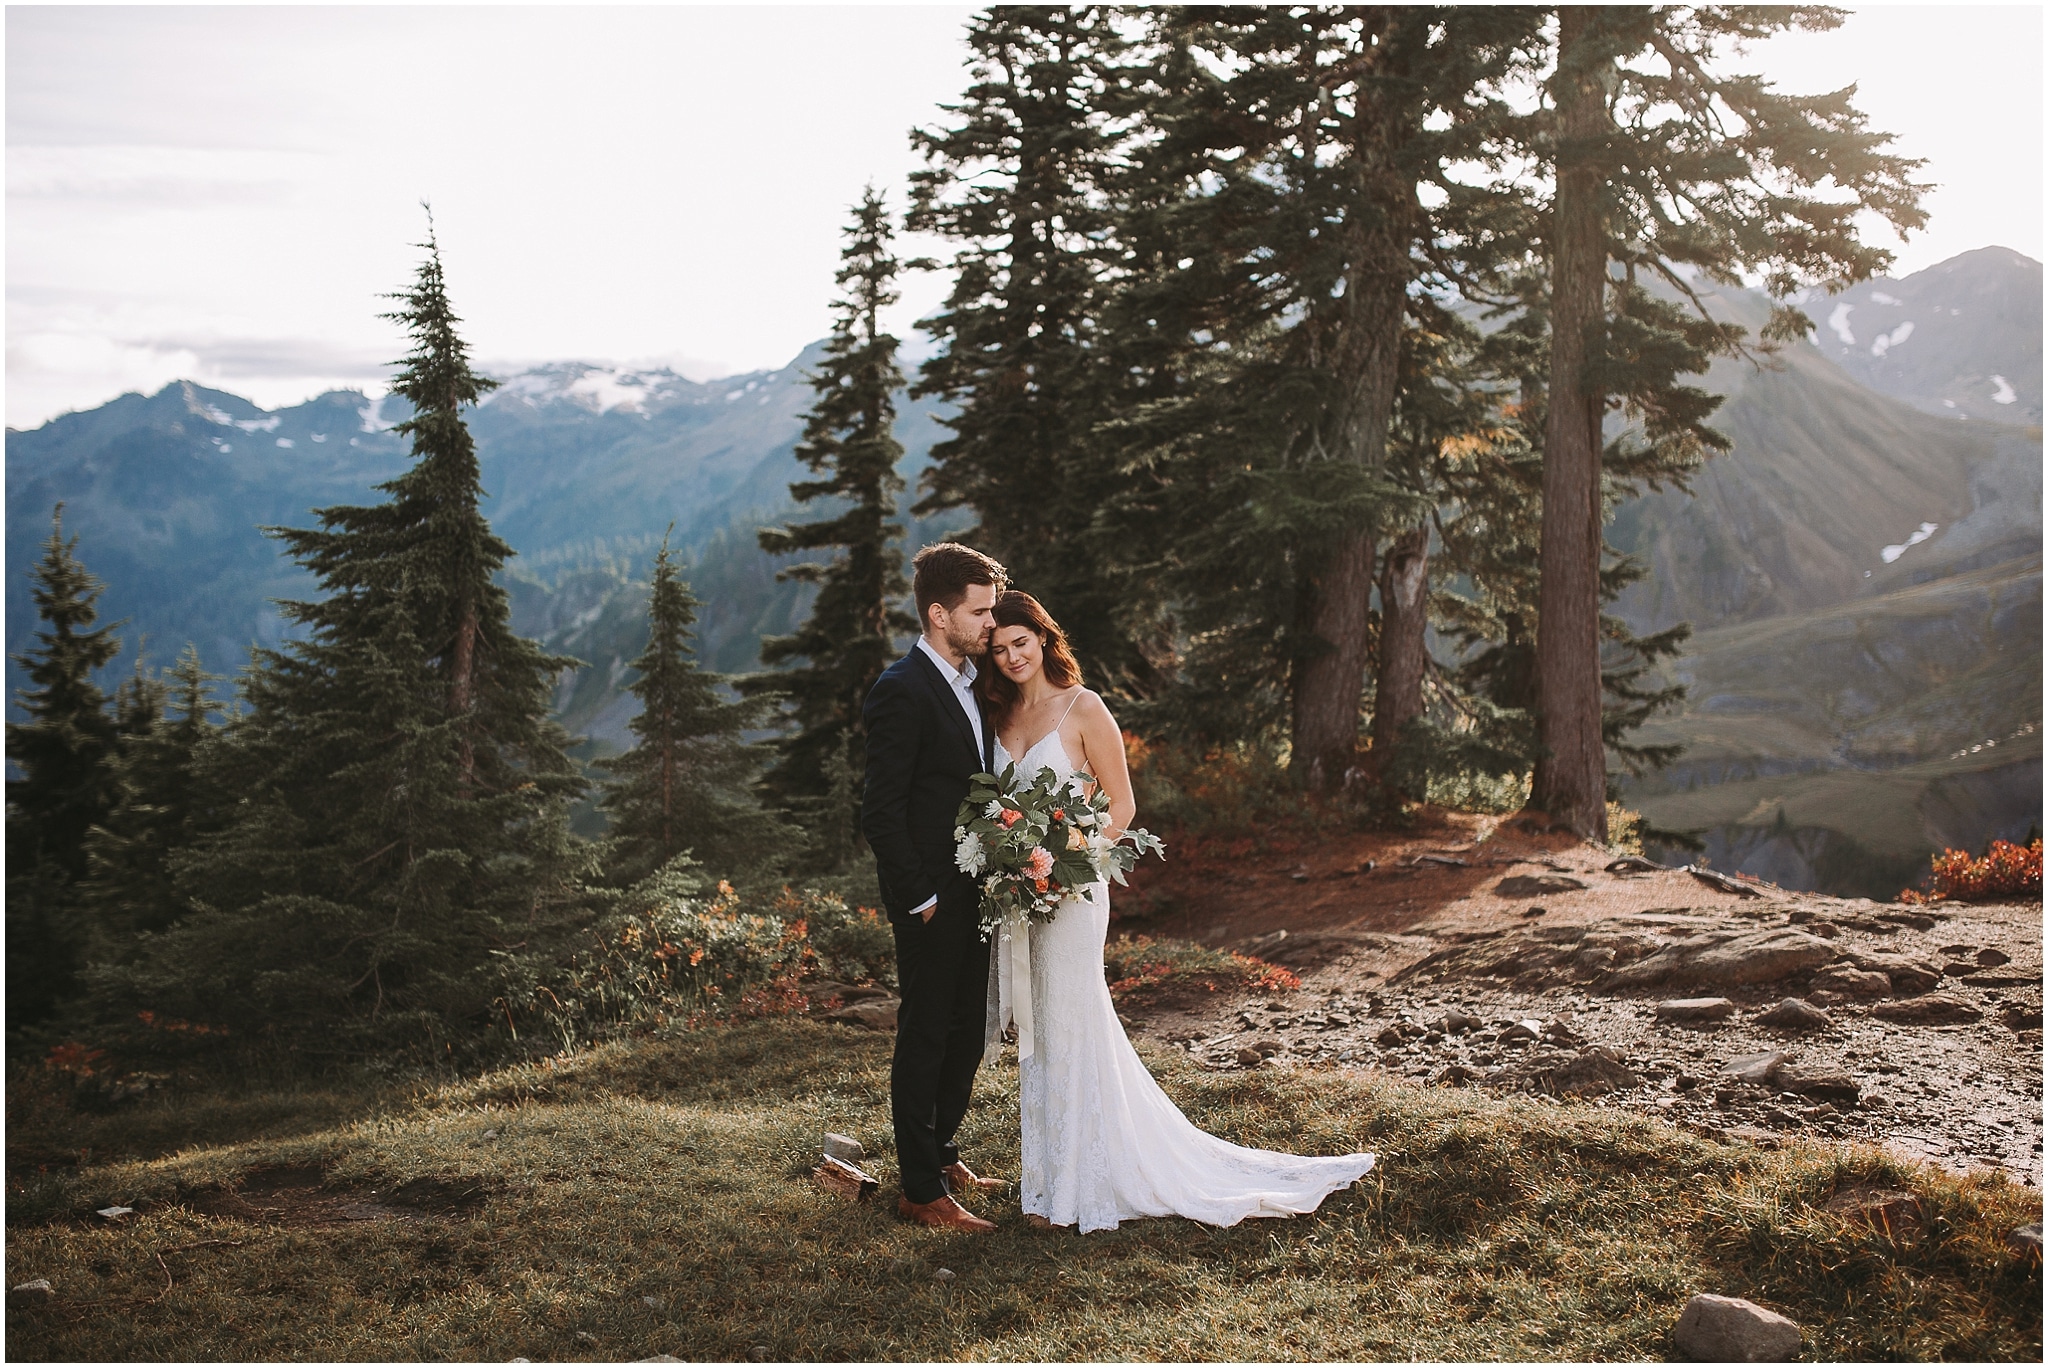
[(921, 754)]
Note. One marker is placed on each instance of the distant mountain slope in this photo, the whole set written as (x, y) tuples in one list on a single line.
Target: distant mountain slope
[(585, 466), (1961, 339), (1865, 569)]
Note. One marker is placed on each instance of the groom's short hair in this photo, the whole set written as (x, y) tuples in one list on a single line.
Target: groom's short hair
[(943, 571)]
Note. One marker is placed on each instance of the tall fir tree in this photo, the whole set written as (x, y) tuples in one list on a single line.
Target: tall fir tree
[(857, 620), (1019, 179), (161, 812), (1301, 200), (1668, 168), (685, 786), (400, 785), (63, 782)]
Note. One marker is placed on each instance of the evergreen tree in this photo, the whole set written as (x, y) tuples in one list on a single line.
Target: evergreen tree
[(1666, 168), (856, 621), (161, 810), (1287, 220), (399, 785), (1020, 181), (63, 784), (684, 786)]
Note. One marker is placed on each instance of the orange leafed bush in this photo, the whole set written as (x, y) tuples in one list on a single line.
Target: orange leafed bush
[(2004, 870)]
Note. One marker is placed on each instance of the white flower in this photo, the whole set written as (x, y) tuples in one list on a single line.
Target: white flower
[(993, 810), (970, 857), (959, 834)]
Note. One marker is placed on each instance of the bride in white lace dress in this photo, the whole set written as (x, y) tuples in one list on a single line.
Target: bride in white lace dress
[(1102, 1142)]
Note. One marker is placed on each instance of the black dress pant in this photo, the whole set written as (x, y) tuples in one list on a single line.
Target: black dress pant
[(942, 973)]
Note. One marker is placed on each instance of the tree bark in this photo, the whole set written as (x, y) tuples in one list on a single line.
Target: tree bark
[(1404, 615), (461, 685), (1328, 686), (1571, 772)]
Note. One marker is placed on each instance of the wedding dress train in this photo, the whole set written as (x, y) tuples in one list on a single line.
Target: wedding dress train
[(1102, 1142)]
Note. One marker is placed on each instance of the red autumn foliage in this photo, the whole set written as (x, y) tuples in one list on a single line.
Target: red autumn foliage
[(2005, 870)]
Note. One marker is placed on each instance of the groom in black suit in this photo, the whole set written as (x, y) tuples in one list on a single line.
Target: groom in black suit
[(926, 739)]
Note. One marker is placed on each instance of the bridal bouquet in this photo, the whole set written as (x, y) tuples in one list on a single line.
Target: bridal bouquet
[(1031, 845)]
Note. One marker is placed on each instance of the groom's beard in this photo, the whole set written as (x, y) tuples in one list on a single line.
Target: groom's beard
[(974, 647)]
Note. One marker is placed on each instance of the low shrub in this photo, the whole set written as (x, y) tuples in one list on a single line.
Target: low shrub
[(2003, 870), (1222, 789), (674, 956)]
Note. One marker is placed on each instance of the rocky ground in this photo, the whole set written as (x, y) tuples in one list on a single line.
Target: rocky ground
[(1475, 953)]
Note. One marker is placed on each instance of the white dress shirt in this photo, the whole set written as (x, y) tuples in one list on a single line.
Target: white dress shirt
[(962, 683)]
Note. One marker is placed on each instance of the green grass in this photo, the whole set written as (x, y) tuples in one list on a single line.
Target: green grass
[(676, 1170)]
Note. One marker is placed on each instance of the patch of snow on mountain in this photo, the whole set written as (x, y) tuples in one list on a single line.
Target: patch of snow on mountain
[(1892, 553), (1880, 297), (319, 436), (2004, 394), (1839, 321), (605, 390), (217, 416), (259, 424), (1892, 339), (371, 423)]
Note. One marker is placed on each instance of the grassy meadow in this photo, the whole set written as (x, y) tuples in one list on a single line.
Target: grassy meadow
[(653, 1197)]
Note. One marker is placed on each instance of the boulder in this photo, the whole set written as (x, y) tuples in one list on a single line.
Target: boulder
[(875, 1013), (1701, 1011), (844, 1148), (1715, 1329), (1892, 1211), (1931, 1010), (1759, 1069), (1827, 1085), (1850, 981), (1992, 959), (1907, 975), (1795, 1014), (1457, 1023), (2021, 1016), (1592, 1071), (1728, 959)]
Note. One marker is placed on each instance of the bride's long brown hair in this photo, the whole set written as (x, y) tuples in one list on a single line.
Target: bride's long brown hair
[(1015, 608)]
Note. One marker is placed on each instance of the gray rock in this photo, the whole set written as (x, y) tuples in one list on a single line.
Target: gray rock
[(1907, 975), (1457, 1023), (2023, 1240), (1759, 1069), (1847, 979), (845, 1148), (2022, 1016), (1932, 1010), (1520, 1030), (875, 1013), (944, 1275), (1728, 959), (1730, 1330), (1250, 1058), (1269, 1047), (1591, 1072), (1992, 959), (1389, 1039), (1695, 1011), (1536, 886), (1828, 1085), (1795, 1014), (115, 1213), (40, 1287)]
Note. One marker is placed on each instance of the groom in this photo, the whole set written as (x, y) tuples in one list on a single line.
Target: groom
[(926, 738)]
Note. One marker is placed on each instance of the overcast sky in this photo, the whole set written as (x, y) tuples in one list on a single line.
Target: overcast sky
[(222, 194)]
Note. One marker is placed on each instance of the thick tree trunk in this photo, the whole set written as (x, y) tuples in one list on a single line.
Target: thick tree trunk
[(1328, 686), (1404, 614), (1365, 352), (1571, 773)]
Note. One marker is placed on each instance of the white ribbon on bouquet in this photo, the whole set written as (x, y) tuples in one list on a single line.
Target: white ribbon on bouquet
[(1009, 987)]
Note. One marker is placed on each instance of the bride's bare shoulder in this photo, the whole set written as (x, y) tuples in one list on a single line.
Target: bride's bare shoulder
[(1090, 707)]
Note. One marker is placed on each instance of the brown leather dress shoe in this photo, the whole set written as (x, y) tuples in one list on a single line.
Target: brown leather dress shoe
[(959, 1178), (945, 1213)]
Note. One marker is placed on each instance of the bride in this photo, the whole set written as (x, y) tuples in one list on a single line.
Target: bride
[(1102, 1143)]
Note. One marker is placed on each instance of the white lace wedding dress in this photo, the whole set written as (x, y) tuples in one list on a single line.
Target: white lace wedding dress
[(1102, 1142)]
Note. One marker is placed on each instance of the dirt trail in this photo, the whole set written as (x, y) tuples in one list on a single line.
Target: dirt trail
[(1474, 952)]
